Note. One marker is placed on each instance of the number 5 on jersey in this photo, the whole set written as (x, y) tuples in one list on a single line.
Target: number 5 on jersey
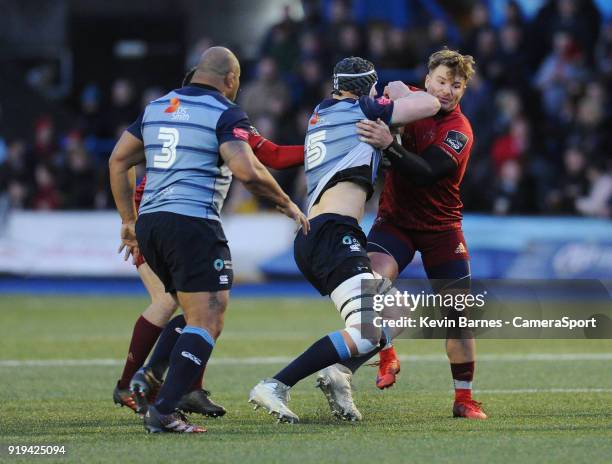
[(169, 137), (315, 149)]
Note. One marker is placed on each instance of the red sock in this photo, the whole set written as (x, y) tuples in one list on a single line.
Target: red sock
[(197, 385), (463, 374), (144, 336)]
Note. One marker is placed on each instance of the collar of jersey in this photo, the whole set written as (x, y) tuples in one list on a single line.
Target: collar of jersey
[(332, 101), (197, 89)]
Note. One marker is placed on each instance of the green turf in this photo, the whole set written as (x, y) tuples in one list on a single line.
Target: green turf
[(410, 423)]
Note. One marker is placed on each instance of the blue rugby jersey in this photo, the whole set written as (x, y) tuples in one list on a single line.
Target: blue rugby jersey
[(182, 132), (332, 150)]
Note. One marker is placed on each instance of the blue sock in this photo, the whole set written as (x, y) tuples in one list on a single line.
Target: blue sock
[(161, 355), (356, 362), (188, 359), (322, 353)]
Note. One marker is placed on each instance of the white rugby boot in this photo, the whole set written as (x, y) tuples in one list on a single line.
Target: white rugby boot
[(273, 396), (336, 384)]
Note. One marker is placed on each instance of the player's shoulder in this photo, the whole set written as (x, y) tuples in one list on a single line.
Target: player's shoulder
[(458, 121), (376, 107), (376, 101)]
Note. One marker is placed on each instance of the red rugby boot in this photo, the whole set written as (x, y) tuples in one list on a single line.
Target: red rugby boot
[(469, 409), (388, 368)]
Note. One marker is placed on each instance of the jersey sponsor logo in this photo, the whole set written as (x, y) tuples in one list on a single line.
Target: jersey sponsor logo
[(174, 105), (223, 279), (180, 114), (314, 119), (460, 249), (192, 357), (456, 140), (241, 133)]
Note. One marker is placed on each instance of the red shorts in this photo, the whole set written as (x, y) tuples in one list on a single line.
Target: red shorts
[(436, 248)]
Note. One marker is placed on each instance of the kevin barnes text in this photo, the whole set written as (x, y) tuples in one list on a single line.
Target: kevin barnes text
[(464, 322)]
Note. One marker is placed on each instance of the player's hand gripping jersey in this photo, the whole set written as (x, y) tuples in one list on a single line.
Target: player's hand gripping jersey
[(332, 150)]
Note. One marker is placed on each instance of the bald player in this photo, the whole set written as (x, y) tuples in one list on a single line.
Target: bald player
[(193, 139)]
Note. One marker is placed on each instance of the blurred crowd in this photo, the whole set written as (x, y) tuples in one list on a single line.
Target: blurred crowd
[(539, 105)]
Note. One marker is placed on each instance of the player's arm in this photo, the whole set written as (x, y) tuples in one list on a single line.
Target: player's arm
[(400, 105), (408, 105), (275, 156), (128, 152), (425, 169), (257, 179)]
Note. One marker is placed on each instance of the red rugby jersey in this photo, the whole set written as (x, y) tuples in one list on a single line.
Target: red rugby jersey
[(435, 207)]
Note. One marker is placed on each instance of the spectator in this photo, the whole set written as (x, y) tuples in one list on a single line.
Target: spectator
[(267, 95), (124, 107), (560, 74), (46, 195), (512, 191), (598, 202), (512, 145), (45, 143), (571, 185), (18, 173), (78, 178), (479, 22)]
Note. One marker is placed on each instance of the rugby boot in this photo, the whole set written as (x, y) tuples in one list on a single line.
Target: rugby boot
[(336, 384), (175, 422), (144, 387), (199, 402), (272, 395), (469, 409), (388, 368), (124, 397)]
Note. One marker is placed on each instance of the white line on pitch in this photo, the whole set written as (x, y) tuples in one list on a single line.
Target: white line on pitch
[(284, 359), (544, 390)]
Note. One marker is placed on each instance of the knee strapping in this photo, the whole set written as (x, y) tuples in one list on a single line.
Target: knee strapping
[(348, 296), (364, 345), (356, 308)]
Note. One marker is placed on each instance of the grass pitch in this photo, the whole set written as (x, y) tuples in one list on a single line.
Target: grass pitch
[(548, 401)]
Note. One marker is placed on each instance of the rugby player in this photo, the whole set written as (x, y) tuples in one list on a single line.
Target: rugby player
[(340, 172), (420, 210), (151, 322), (149, 325), (193, 139)]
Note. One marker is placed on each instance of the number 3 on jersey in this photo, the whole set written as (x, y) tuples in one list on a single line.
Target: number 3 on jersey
[(169, 137), (315, 149)]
